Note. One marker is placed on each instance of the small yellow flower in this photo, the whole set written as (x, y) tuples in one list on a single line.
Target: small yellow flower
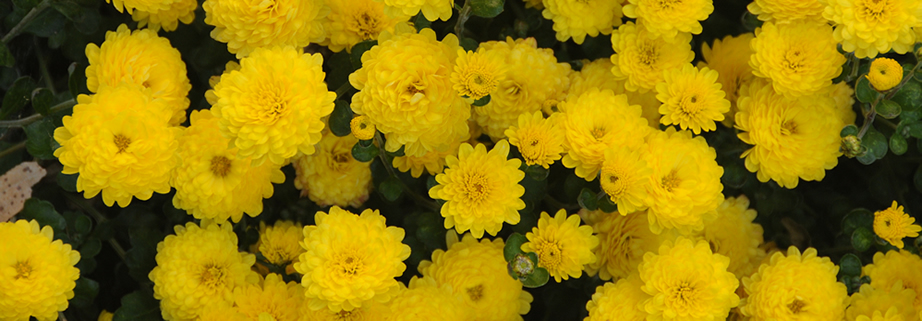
[(896, 267), (730, 58), (362, 128), (872, 27), (692, 98), (354, 21), (734, 234), (432, 9), (331, 176), (623, 240), (641, 57), (105, 315), (272, 297), (425, 299), (893, 225), (801, 58), (618, 301), (562, 245), (168, 18), (885, 73), (892, 314), (869, 300), (668, 19), (248, 25), (477, 74), (787, 11), (280, 243), (539, 140), (578, 19), (625, 176), (432, 162)]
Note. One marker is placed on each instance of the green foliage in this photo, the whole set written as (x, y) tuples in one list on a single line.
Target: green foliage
[(888, 109), (17, 97), (486, 8), (139, 305), (364, 152), (40, 142), (340, 119), (863, 91)]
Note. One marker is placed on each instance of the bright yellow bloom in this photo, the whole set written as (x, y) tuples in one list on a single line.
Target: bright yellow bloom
[(37, 273), (577, 19), (360, 265), (248, 25), (800, 58), (425, 299), (623, 240), (869, 300), (625, 178), (370, 311), (221, 311), (844, 96), (477, 74), (481, 190), (280, 243), (477, 271), (734, 234), (871, 27), (331, 176), (140, 57), (432, 9), (788, 11), (793, 287), (539, 140), (562, 245), (896, 267), (272, 297), (730, 58), (618, 301), (354, 21), (595, 74), (885, 73), (669, 19), (362, 128), (893, 225), (143, 5), (641, 57), (433, 162), (891, 315), (272, 107), (169, 18), (198, 267), (691, 98), (120, 143)]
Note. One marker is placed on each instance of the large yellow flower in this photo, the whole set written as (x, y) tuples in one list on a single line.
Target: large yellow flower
[(331, 176), (433, 161), (795, 287), (562, 245), (668, 19), (120, 143), (246, 25), (625, 177), (793, 138), (351, 259), (481, 190), (427, 300), (211, 182), (140, 57), (272, 107), (800, 58), (577, 19), (692, 98), (595, 74), (354, 21), (539, 140), (730, 58), (734, 234), (270, 298), (37, 273), (370, 311), (641, 57), (169, 18), (623, 240), (618, 301), (198, 267), (432, 9), (788, 11), (893, 225), (477, 74), (871, 27), (895, 267), (477, 271), (869, 299)]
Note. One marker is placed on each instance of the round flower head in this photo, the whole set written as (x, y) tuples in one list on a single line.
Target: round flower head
[(272, 297), (869, 300), (691, 98), (248, 25), (563, 246), (477, 271), (870, 27), (734, 235), (280, 243), (331, 176), (885, 73), (169, 18), (432, 9), (370, 311), (198, 267), (793, 138), (669, 19), (795, 287), (788, 11), (354, 21), (272, 107), (896, 267), (618, 301), (844, 97), (577, 19), (433, 162), (211, 182), (641, 57), (730, 58), (623, 240), (120, 143), (143, 5), (595, 74), (413, 104), (625, 178), (362, 128), (539, 140), (893, 225), (37, 273), (427, 300), (800, 58), (477, 74), (140, 57), (350, 259), (481, 190), (687, 282)]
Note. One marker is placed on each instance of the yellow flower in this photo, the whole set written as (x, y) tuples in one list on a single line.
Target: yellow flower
[(197, 267), (413, 104), (562, 245), (168, 18), (730, 58), (891, 315), (477, 74), (641, 57), (692, 98), (539, 140), (685, 182), (618, 301), (895, 267), (427, 300), (221, 311), (140, 57), (354, 21), (625, 178), (788, 11), (481, 190), (885, 73), (623, 240), (37, 273), (432, 9), (433, 162), (800, 58), (272, 107), (795, 286), (893, 225), (669, 19), (870, 27), (120, 143), (331, 176), (370, 311), (595, 74), (362, 128), (211, 182), (272, 297), (844, 96), (143, 5), (248, 25), (869, 300), (734, 234), (360, 265), (477, 271), (280, 243), (577, 19), (687, 282), (792, 137)]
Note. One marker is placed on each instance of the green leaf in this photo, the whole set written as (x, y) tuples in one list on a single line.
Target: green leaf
[(73, 80), (888, 109), (25, 4), (140, 259), (588, 200), (876, 143), (487, 8), (513, 246), (850, 265), (858, 217), (364, 153), (862, 239), (41, 100), (606, 205), (44, 213), (391, 188), (341, 118), (85, 292), (359, 49), (82, 224), (537, 278), (420, 22), (400, 152), (910, 96), (68, 182), (469, 44), (46, 24), (898, 144), (863, 91), (40, 139), (482, 101), (917, 178), (750, 21), (537, 172), (17, 97), (910, 115), (69, 9), (849, 130), (138, 306), (91, 248), (866, 158), (6, 57)]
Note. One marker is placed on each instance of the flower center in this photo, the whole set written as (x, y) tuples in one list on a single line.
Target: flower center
[(365, 25), (549, 254), (598, 132), (794, 60), (666, 4), (212, 276), (683, 295), (475, 292), (121, 142), (349, 263), (271, 103), (875, 9), (23, 270), (797, 306), (689, 105), (220, 166), (476, 187), (648, 54), (344, 315), (788, 128), (671, 181)]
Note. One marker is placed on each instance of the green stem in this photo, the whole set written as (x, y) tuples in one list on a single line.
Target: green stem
[(343, 89), (12, 149), (26, 20), (382, 154), (43, 67), (99, 220), (23, 122), (463, 14)]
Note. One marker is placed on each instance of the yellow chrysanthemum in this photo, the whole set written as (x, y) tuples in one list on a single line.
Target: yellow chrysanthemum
[(595, 74), (800, 58), (641, 57), (37, 273), (477, 271), (730, 58), (432, 9), (433, 162), (869, 300), (669, 19), (210, 96), (562, 245), (893, 225), (120, 143), (221, 311), (871, 27), (197, 267), (481, 190), (539, 140), (169, 18), (625, 178), (896, 266), (477, 74), (533, 76), (351, 259), (691, 98), (885, 73), (272, 107), (890, 315), (143, 5), (793, 138), (687, 282), (788, 11), (248, 25), (618, 301), (271, 298), (413, 104), (795, 287), (280, 243), (362, 128), (733, 234), (354, 21), (370, 311), (140, 57), (685, 182), (211, 182), (623, 240), (427, 300), (331, 176), (844, 97), (577, 19)]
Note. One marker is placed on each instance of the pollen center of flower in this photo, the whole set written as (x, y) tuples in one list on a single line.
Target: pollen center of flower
[(684, 294), (23, 270), (671, 181), (797, 306), (788, 128), (121, 142), (350, 264), (476, 187), (220, 166), (549, 254), (344, 315), (475, 292), (689, 105), (648, 54), (271, 104), (365, 25), (667, 4), (212, 276), (794, 60), (874, 9), (598, 132)]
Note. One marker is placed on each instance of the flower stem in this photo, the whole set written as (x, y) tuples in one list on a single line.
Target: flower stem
[(99, 220), (12, 149), (26, 20), (463, 14), (34, 118), (343, 89)]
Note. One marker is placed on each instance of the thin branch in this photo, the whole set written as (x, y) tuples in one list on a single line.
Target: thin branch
[(99, 220), (12, 149), (23, 122), (26, 20)]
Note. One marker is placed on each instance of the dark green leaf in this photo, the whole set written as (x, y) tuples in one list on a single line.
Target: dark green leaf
[(85, 292), (876, 143), (862, 239), (90, 248), (68, 182), (338, 75), (391, 188), (917, 177), (911, 115), (420, 22), (73, 80), (138, 306), (359, 49), (866, 158), (606, 205), (140, 259), (340, 119), (848, 130), (40, 139), (468, 44), (750, 21), (858, 217), (25, 4), (537, 278), (910, 96), (588, 200), (41, 100), (82, 224), (482, 101), (44, 213), (47, 23), (486, 8), (364, 153), (850, 265), (6, 57), (69, 9), (537, 172), (888, 109), (87, 21), (17, 97), (735, 175), (913, 129), (863, 91), (513, 246), (898, 144)]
